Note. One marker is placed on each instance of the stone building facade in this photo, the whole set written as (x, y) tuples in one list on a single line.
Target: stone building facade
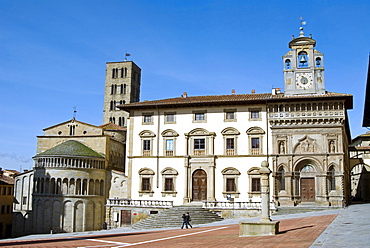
[(208, 148), (190, 149), (76, 167)]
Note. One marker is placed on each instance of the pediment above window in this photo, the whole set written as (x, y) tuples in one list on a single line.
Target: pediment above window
[(169, 133), (146, 133), (199, 131), (230, 171), (169, 171), (230, 131), (146, 171), (255, 130)]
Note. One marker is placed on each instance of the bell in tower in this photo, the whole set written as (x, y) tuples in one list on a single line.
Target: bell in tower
[(303, 67)]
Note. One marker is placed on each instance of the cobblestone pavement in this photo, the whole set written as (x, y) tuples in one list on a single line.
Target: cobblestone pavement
[(328, 228)]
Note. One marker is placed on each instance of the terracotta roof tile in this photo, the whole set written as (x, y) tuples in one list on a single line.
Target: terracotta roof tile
[(224, 99), (112, 126)]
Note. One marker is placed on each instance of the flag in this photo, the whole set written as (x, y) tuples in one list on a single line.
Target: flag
[(127, 54)]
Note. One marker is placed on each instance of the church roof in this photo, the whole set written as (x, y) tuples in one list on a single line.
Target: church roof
[(112, 126), (234, 99), (71, 148)]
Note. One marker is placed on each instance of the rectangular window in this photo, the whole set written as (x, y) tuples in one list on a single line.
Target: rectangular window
[(255, 114), (199, 117), (170, 117), (169, 147), (3, 209), (256, 185), (147, 118), (230, 115), (199, 144), (145, 184), (24, 201), (255, 143), (168, 184), (8, 209), (230, 185), (146, 145), (230, 146), (230, 143)]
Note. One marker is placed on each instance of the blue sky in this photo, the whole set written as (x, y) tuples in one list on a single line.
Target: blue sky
[(53, 55)]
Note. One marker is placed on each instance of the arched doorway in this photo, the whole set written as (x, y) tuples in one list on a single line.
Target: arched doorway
[(199, 189), (307, 187)]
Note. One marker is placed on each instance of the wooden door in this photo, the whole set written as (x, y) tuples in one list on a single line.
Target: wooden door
[(125, 217), (199, 185), (308, 189)]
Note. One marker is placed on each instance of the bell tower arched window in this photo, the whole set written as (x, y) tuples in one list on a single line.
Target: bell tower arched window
[(318, 62), (302, 59), (287, 64)]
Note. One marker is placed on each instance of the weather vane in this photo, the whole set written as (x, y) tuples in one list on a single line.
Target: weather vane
[(127, 55), (302, 22), (74, 112)]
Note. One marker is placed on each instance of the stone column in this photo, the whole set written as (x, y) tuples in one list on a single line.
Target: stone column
[(187, 180), (265, 191), (265, 226)]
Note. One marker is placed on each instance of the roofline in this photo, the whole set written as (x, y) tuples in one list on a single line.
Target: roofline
[(68, 122), (263, 100)]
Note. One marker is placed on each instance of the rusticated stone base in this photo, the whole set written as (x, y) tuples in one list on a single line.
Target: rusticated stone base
[(258, 228)]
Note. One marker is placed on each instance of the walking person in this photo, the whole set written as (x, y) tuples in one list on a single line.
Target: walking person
[(188, 219), (184, 222)]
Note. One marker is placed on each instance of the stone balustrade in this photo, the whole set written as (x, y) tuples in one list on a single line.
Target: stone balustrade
[(235, 205), (139, 203)]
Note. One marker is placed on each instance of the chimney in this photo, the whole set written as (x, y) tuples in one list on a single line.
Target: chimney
[(233, 92), (273, 91), (253, 91), (25, 170), (185, 95)]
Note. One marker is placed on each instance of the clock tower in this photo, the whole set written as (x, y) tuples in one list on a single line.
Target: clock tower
[(303, 67)]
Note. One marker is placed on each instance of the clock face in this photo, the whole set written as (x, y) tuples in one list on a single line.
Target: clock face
[(304, 81)]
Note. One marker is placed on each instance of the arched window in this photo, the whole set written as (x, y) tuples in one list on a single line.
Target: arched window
[(331, 178), (281, 179), (146, 181), (318, 62), (169, 141), (302, 59), (230, 176), (254, 183), (230, 135), (287, 64), (169, 181), (255, 135)]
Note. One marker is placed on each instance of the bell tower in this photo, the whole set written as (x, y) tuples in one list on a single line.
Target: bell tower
[(122, 85), (303, 67)]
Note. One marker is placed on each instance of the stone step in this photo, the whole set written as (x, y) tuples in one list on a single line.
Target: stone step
[(173, 217)]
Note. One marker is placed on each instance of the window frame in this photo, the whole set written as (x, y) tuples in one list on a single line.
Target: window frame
[(228, 174), (167, 114), (197, 113), (253, 175), (147, 118), (252, 113), (167, 135), (147, 137), (226, 115), (146, 174), (169, 174)]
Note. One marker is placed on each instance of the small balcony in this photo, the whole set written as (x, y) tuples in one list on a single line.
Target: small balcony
[(199, 152)]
